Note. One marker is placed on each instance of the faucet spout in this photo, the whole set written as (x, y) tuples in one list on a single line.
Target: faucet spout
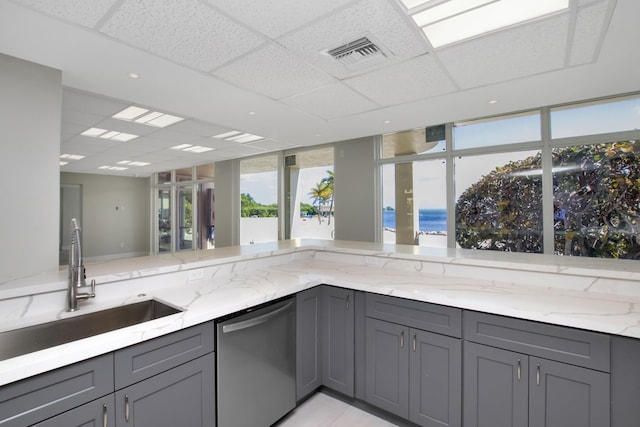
[(77, 278)]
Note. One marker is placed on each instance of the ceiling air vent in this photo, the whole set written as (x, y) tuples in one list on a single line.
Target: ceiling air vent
[(358, 52)]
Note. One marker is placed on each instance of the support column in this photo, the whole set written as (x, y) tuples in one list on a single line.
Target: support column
[(406, 215)]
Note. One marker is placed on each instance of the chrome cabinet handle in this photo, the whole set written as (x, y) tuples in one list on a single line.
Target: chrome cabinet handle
[(538, 374), (519, 369), (126, 408), (347, 301), (402, 339), (414, 342), (104, 416)]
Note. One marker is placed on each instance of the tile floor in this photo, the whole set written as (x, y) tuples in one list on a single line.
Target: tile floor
[(321, 410)]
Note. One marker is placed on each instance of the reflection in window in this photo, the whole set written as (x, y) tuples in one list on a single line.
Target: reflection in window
[(510, 129), (596, 190), (164, 219), (184, 209), (622, 114), (499, 202), (259, 200), (414, 203)]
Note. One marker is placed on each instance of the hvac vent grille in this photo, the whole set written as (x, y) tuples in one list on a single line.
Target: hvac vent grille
[(357, 52)]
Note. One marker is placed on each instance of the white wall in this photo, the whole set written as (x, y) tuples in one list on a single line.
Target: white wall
[(30, 111), (355, 190), (108, 232)]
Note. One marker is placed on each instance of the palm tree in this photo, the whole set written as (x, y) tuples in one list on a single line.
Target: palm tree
[(320, 195), (328, 182)]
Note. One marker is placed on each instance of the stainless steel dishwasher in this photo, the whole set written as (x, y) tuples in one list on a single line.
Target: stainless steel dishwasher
[(256, 365)]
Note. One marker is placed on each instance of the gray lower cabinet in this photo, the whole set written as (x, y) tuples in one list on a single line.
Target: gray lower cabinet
[(165, 381), (182, 396), (325, 340), (308, 341), (520, 373), (338, 341), (99, 413), (413, 373)]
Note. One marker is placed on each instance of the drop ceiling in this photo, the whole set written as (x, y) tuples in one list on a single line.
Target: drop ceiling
[(264, 68)]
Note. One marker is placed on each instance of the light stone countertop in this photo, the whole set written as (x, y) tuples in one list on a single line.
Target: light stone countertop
[(589, 294)]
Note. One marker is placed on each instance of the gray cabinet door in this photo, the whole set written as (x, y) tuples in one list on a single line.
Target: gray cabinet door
[(435, 380), (99, 413), (387, 366), (308, 341), (564, 395), (182, 396), (495, 387), (338, 344)]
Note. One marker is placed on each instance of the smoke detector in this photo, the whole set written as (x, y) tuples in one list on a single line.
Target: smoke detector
[(358, 53)]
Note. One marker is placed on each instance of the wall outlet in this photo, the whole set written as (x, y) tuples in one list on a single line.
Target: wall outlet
[(197, 274)]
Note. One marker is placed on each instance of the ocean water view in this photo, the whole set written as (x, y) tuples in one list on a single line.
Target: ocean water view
[(429, 220)]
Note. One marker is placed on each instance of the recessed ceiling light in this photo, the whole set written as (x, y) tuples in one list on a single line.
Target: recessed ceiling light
[(252, 113), (227, 134), (451, 21), (134, 75), (192, 148), (109, 134), (410, 4), (386, 122), (71, 156), (63, 163), (145, 117), (93, 132), (238, 136), (493, 101), (139, 164), (130, 113)]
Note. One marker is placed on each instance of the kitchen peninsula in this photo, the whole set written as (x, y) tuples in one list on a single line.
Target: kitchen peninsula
[(587, 294)]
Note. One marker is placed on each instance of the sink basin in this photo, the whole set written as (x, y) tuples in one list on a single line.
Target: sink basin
[(38, 337)]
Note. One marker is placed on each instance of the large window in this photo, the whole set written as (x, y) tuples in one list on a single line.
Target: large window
[(259, 200), (184, 202), (309, 186), (559, 180)]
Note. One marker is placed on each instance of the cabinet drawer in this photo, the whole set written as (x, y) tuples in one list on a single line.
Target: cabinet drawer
[(152, 357), (421, 315), (37, 398), (573, 346)]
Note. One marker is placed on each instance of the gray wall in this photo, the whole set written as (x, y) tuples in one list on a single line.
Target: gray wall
[(108, 232), (355, 190), (30, 110)]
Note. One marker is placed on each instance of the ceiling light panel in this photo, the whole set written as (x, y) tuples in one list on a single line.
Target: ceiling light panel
[(274, 72), (71, 156), (188, 32), (484, 19), (130, 113), (146, 117), (109, 134), (94, 132), (376, 18), (228, 134), (446, 10)]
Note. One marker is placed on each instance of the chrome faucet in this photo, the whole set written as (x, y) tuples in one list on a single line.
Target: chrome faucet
[(77, 277)]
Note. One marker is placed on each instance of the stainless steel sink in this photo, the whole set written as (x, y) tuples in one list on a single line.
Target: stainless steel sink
[(38, 337)]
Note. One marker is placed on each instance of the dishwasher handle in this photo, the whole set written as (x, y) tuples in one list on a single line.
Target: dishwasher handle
[(244, 324)]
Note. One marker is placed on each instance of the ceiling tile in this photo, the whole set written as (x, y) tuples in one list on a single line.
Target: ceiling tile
[(417, 78), (274, 72), (589, 29), (197, 127), (377, 19), (81, 101), (276, 17), (185, 31), (331, 102), (506, 55), (77, 11)]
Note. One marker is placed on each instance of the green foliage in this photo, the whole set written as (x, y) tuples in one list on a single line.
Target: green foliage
[(308, 209), (250, 208), (596, 204)]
